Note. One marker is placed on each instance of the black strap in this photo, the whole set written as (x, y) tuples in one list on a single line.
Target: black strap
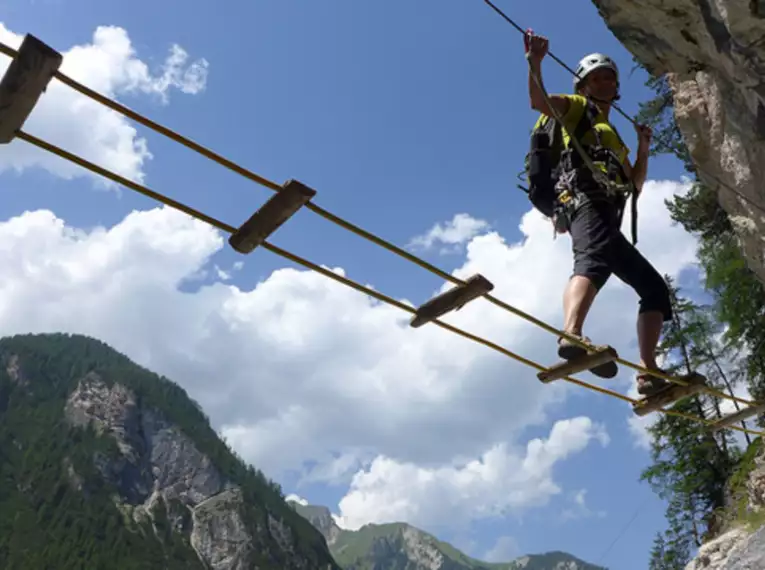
[(587, 122), (633, 198), (633, 213), (592, 111)]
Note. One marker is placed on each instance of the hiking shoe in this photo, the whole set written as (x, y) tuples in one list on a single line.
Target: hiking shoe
[(567, 350), (648, 385)]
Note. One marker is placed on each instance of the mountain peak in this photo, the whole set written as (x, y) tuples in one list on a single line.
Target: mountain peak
[(320, 517), (401, 546)]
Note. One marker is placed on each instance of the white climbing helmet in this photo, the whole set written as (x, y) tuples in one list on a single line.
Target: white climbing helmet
[(590, 63)]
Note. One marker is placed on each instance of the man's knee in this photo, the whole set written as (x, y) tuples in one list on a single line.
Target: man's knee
[(597, 273), (656, 298)]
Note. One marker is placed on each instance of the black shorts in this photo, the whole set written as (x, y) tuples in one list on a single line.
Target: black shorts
[(600, 249)]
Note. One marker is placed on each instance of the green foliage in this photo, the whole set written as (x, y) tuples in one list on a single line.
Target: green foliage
[(690, 467), (739, 296), (58, 511), (738, 513), (668, 553)]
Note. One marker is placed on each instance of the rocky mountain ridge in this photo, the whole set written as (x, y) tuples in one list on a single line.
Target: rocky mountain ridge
[(106, 465), (400, 546)]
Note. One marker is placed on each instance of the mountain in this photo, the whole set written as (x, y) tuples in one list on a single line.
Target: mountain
[(104, 465), (399, 546)]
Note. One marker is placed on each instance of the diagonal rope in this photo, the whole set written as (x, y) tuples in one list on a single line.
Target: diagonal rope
[(343, 223), (624, 114), (348, 225), (44, 145)]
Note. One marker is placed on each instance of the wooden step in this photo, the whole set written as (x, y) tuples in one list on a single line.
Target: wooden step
[(452, 300), (601, 355), (736, 417), (271, 215), (24, 82), (671, 394)]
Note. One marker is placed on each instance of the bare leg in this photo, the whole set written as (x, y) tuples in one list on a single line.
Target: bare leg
[(649, 326), (577, 300)]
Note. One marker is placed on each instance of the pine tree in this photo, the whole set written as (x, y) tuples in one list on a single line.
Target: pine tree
[(690, 465), (666, 554)]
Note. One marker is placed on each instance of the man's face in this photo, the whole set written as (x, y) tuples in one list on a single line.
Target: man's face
[(601, 84)]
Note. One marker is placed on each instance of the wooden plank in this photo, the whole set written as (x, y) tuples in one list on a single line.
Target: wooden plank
[(601, 355), (23, 84), (271, 215), (671, 394), (736, 417), (452, 300)]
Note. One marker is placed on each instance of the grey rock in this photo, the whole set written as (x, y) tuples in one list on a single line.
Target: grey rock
[(156, 467), (713, 52)]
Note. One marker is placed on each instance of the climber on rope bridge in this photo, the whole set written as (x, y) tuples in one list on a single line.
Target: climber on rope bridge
[(580, 205)]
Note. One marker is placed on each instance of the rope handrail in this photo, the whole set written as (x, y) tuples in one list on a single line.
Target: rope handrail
[(44, 145)]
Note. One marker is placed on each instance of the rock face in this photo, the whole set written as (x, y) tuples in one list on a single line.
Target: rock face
[(734, 550), (219, 534), (713, 52), (739, 547), (156, 458), (157, 464), (321, 518)]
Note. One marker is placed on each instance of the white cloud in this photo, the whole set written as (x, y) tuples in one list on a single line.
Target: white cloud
[(505, 549), (501, 480), (579, 508), (80, 125), (458, 231), (298, 369), (296, 499)]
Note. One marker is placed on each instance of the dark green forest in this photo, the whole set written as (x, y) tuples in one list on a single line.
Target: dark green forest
[(699, 474), (47, 523)]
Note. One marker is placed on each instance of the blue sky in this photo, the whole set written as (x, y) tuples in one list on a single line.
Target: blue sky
[(400, 114)]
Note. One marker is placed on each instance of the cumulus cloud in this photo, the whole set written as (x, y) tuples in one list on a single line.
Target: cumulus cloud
[(296, 499), (452, 234), (298, 370), (501, 479), (80, 125)]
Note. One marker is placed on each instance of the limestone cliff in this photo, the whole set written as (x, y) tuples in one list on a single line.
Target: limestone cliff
[(105, 465), (713, 52), (740, 541)]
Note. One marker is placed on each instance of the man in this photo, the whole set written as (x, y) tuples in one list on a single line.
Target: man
[(598, 245)]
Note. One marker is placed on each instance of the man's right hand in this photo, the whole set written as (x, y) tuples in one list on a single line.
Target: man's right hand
[(536, 47)]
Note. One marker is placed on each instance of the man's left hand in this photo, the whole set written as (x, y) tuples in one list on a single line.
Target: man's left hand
[(644, 133)]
